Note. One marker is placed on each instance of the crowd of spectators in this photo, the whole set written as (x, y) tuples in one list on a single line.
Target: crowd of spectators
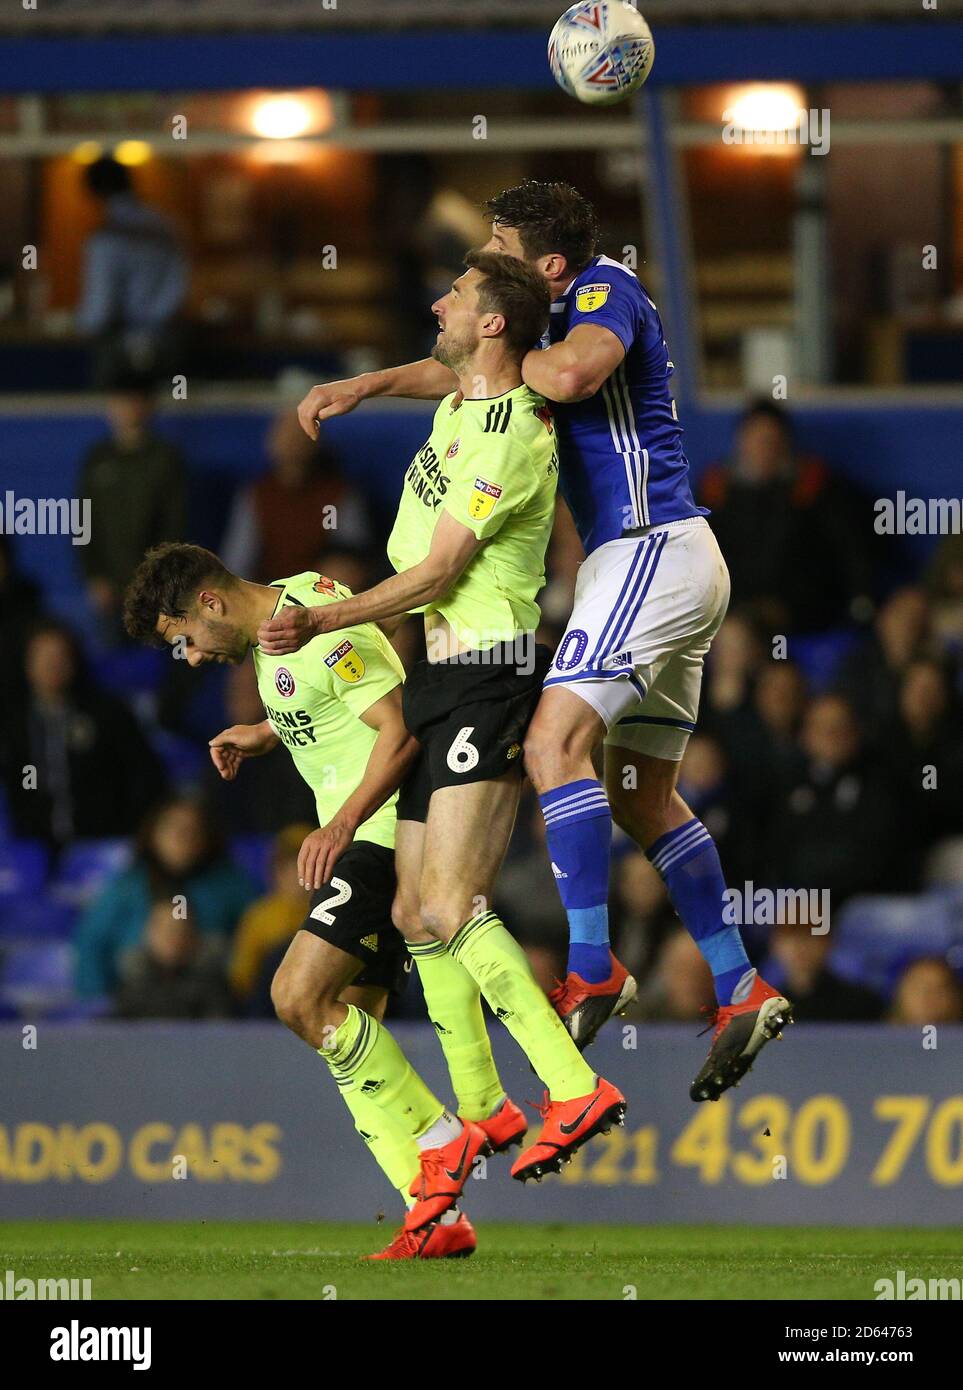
[(829, 752)]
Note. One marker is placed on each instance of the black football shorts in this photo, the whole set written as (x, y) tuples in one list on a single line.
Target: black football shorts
[(353, 912), (470, 715)]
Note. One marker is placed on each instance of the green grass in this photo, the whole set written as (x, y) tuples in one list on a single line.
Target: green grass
[(261, 1260)]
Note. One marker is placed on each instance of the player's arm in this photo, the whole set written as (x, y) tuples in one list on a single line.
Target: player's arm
[(392, 753), (426, 380), (575, 368), (452, 546)]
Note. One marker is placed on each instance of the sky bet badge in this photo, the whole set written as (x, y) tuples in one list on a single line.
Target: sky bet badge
[(345, 662), (591, 297), (482, 501)]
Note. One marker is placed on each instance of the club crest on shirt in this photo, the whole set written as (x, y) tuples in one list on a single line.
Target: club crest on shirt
[(591, 297), (324, 585), (454, 448), (284, 682), (483, 497), (545, 415), (345, 662)]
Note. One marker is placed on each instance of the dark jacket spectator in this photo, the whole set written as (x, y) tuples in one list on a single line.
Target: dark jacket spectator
[(95, 773), (135, 482), (790, 530), (20, 610), (280, 524), (178, 856), (176, 973), (818, 995), (837, 826), (870, 676)]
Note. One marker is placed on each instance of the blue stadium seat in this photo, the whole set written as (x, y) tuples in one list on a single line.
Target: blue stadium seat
[(36, 977), (85, 866), (36, 917), (253, 853), (182, 759), (23, 867), (875, 938), (128, 670), (819, 654)]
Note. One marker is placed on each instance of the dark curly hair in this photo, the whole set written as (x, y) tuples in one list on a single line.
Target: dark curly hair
[(549, 217), (165, 582)]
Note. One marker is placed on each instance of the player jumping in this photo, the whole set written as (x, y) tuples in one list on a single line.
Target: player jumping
[(336, 706), (469, 544), (650, 597)]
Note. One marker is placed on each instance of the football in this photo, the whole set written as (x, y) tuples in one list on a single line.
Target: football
[(601, 51)]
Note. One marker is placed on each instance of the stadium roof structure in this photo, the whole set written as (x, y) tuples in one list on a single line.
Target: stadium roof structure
[(185, 15)]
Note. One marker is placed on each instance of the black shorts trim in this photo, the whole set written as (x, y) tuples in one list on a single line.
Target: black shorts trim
[(470, 715), (353, 912)]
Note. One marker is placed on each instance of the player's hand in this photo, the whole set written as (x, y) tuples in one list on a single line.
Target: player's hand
[(322, 402), (240, 741), (289, 630), (320, 851)]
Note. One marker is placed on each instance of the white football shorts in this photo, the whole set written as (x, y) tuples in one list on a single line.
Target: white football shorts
[(646, 610)]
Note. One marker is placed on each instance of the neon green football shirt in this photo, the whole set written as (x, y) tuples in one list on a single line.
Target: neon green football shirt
[(314, 699), (493, 465)]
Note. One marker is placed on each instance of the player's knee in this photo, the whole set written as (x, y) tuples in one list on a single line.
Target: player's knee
[(554, 756), (406, 916), (291, 1003), (441, 916)]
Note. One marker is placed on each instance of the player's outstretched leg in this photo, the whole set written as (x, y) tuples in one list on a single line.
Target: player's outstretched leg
[(454, 1007), (467, 830), (750, 1013), (578, 831), (365, 1061)]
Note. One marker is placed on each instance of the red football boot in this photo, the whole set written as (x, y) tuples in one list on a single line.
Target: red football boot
[(443, 1175), (432, 1242), (583, 1008), (508, 1126), (568, 1124), (741, 1032)]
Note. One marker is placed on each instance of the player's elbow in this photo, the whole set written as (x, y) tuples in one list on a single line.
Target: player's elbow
[(573, 384)]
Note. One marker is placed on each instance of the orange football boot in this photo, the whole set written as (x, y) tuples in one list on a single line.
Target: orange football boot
[(508, 1126), (568, 1124), (443, 1175), (432, 1242)]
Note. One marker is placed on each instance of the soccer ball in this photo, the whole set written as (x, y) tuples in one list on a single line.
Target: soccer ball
[(601, 51)]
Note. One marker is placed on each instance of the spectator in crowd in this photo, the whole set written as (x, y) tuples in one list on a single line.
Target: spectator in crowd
[(135, 482), (270, 793), (736, 657), (680, 990), (837, 825), (870, 675), (927, 992), (134, 283), (20, 610), (281, 523), (269, 923), (74, 759), (705, 785), (923, 747), (944, 587), (176, 973), (761, 739), (798, 549), (801, 967), (178, 856)]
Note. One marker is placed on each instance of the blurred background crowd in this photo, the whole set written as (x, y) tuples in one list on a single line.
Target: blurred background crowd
[(165, 301)]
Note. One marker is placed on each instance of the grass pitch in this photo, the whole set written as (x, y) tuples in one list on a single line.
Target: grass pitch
[(266, 1260)]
